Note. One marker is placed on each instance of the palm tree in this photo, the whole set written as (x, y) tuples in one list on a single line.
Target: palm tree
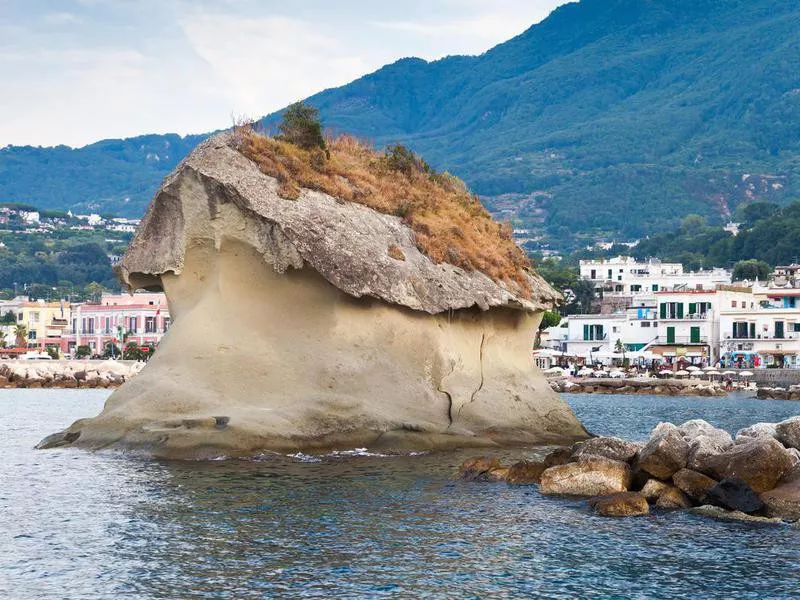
[(2, 339), (21, 333)]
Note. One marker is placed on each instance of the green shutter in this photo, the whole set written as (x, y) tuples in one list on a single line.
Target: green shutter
[(692, 308), (695, 335), (663, 310), (655, 287), (680, 310), (585, 332), (599, 332), (670, 335)]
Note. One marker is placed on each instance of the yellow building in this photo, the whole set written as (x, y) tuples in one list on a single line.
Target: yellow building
[(45, 323)]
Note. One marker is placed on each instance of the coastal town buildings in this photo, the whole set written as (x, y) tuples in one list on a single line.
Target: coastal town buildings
[(624, 276), (142, 318), (699, 318)]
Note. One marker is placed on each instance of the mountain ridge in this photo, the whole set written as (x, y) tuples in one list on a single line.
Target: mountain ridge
[(620, 116)]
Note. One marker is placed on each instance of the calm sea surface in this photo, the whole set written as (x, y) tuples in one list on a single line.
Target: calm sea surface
[(81, 525)]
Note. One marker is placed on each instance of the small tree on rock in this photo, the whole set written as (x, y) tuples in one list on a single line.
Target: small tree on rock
[(301, 126)]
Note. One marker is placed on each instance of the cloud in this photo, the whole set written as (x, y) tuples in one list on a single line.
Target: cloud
[(268, 63), (93, 69)]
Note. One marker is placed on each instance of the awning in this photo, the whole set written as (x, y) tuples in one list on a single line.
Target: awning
[(778, 352)]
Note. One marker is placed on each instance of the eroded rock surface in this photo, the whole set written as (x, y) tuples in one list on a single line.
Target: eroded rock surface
[(761, 463), (624, 504), (607, 447), (294, 322)]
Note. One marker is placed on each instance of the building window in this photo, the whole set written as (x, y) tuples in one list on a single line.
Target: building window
[(34, 317), (32, 335), (733, 303), (592, 332), (655, 287), (636, 288), (167, 323), (150, 325), (645, 323)]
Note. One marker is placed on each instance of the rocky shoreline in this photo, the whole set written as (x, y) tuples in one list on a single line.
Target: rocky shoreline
[(67, 374), (754, 476), (653, 386), (779, 393)]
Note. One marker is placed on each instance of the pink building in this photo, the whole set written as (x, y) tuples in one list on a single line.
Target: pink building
[(142, 318)]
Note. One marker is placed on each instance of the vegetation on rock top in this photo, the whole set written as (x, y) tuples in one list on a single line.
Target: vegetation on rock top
[(449, 222)]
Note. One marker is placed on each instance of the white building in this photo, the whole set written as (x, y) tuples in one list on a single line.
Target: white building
[(763, 331), (625, 276)]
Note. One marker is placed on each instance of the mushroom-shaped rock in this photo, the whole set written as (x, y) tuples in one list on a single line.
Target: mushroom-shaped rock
[(297, 320)]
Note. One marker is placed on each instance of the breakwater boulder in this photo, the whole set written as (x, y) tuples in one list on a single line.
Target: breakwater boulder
[(67, 373), (650, 386), (305, 320), (759, 477)]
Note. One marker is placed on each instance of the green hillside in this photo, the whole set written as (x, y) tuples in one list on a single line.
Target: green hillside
[(618, 116)]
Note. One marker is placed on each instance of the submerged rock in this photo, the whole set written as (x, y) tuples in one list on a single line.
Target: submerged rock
[(298, 321), (623, 504), (526, 472), (482, 468), (590, 476)]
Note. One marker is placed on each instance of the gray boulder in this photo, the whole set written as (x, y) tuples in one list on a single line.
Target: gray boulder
[(761, 463), (607, 447), (788, 432), (755, 431), (704, 441), (665, 453)]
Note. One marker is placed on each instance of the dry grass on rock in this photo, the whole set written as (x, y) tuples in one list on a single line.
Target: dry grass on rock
[(449, 222)]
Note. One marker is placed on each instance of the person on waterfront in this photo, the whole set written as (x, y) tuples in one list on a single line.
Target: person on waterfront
[(728, 384)]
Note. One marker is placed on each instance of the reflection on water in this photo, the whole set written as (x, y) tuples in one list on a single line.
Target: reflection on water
[(80, 525)]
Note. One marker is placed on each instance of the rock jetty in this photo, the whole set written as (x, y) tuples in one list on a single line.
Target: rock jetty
[(313, 323), (652, 386), (753, 476), (67, 373), (779, 393)]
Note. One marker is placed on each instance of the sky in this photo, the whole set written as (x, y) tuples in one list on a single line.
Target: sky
[(76, 71)]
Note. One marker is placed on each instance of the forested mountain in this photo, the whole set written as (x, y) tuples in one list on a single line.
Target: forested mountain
[(112, 176), (619, 116)]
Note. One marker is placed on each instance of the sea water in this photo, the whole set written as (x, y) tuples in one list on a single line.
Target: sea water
[(74, 524)]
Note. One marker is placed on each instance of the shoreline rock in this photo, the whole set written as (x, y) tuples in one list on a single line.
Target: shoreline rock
[(653, 386), (756, 479), (67, 374)]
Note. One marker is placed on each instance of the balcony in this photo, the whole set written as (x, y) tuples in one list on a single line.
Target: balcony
[(680, 340), (692, 317)]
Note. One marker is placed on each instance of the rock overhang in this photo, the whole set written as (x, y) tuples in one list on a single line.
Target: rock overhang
[(360, 251)]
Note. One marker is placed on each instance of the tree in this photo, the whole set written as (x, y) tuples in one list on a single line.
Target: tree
[(21, 336), (131, 352), (52, 352), (584, 295), (549, 319), (751, 270), (83, 351), (94, 291), (2, 339), (301, 126)]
